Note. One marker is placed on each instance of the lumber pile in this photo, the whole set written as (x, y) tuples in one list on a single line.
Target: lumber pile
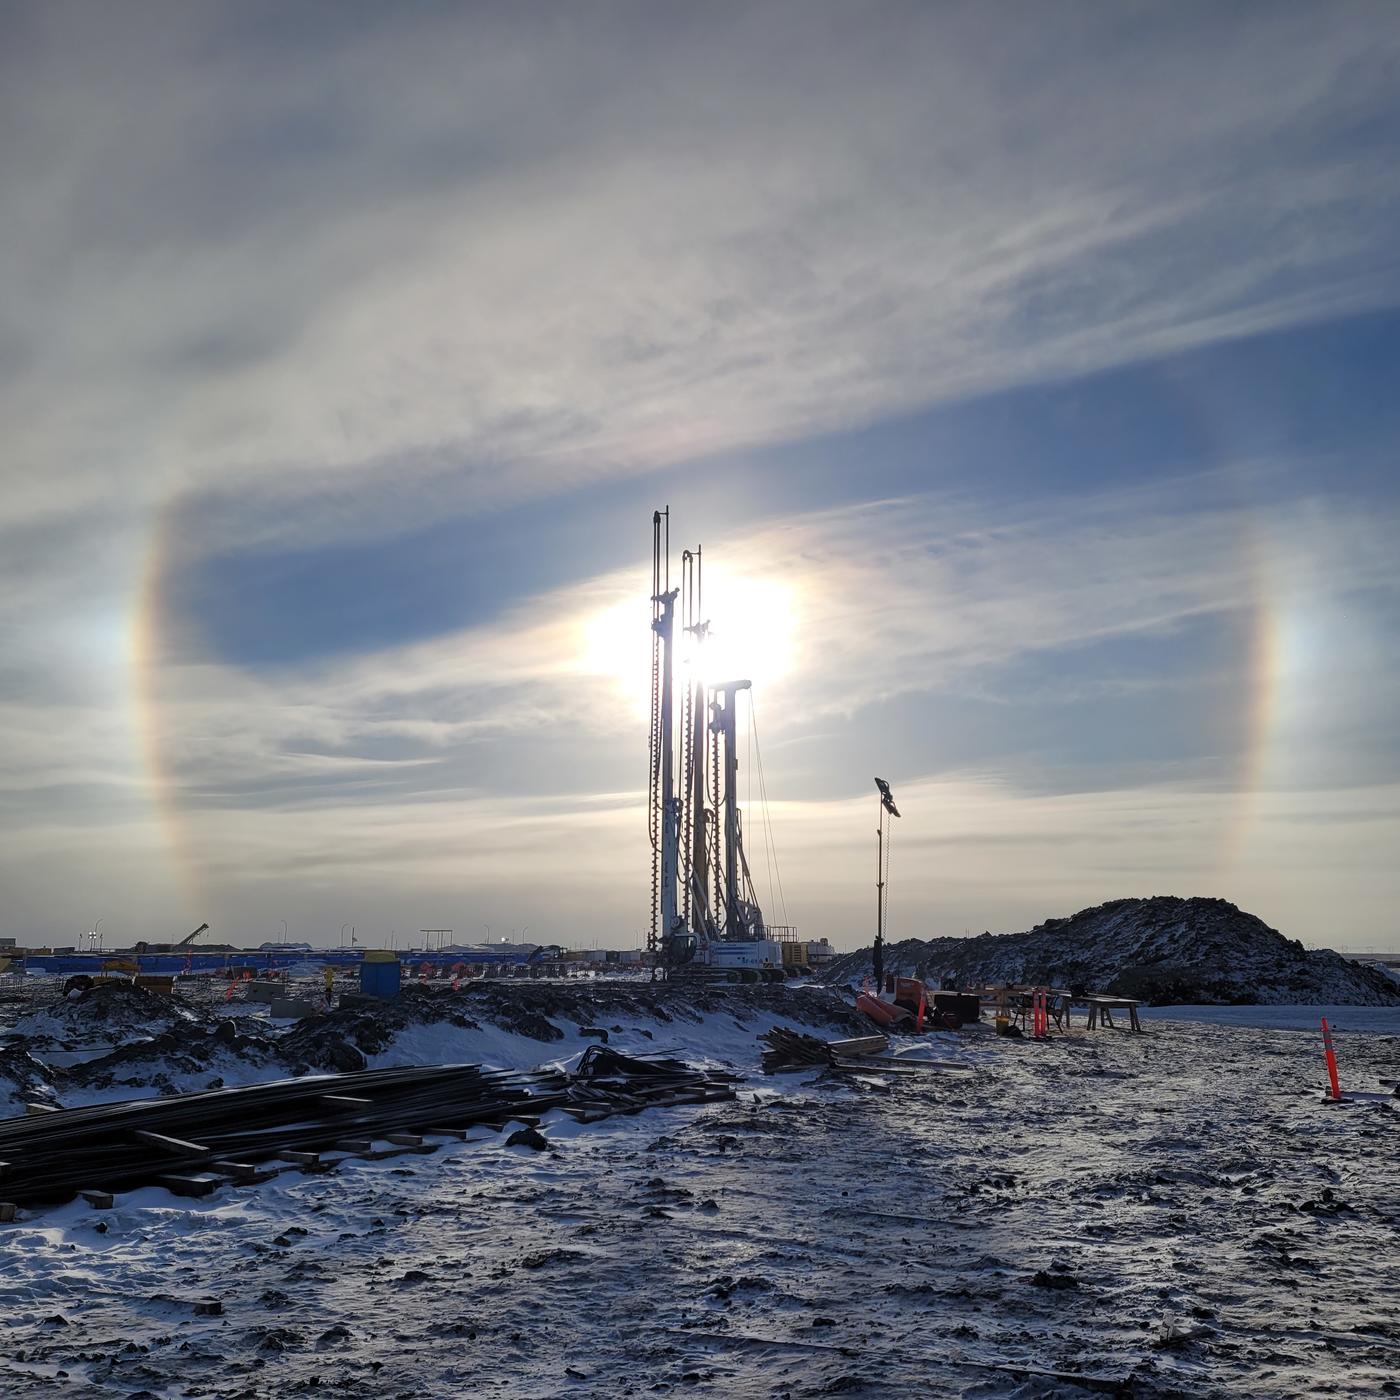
[(194, 1143), (609, 1082), (791, 1050)]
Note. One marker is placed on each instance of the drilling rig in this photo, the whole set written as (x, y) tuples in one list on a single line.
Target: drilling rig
[(705, 918)]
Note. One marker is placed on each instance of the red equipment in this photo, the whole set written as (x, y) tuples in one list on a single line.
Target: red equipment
[(885, 1012), (1331, 1061)]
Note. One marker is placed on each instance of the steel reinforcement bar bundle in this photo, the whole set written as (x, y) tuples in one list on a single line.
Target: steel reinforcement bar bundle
[(52, 1154)]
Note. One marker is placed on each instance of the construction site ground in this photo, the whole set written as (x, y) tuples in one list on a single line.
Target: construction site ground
[(1175, 1213)]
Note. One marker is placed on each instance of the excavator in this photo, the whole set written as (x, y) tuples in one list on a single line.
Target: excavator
[(122, 967), (144, 947)]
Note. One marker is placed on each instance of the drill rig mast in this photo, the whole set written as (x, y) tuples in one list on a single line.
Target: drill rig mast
[(697, 834)]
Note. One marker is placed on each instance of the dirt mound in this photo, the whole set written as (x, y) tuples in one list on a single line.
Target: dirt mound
[(546, 1012), (166, 1061), (163, 1046), (341, 1039), (1164, 950), (23, 1080), (519, 1006), (111, 1011)]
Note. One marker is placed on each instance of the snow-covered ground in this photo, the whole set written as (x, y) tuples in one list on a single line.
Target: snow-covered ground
[(1176, 1212), (1371, 1019)]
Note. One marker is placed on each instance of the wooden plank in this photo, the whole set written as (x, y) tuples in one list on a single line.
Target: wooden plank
[(873, 1066), (179, 1184), (98, 1200), (860, 1045), (177, 1146), (353, 1145), (347, 1101), (404, 1139), (302, 1159), (37, 1108), (239, 1171), (8, 1212), (905, 1062)]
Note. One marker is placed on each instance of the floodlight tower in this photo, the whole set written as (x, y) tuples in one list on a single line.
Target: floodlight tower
[(882, 872)]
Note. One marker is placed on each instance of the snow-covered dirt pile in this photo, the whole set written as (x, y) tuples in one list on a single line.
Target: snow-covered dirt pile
[(179, 1060), (511, 1025), (112, 1013), (1164, 951), (23, 1080), (517, 1025), (1172, 1214)]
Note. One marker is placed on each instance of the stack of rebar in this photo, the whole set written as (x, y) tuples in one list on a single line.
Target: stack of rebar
[(191, 1143)]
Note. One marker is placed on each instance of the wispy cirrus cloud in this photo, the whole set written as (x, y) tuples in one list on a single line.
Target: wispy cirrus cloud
[(468, 257)]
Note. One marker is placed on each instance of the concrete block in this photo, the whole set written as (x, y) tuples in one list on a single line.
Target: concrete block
[(290, 1009)]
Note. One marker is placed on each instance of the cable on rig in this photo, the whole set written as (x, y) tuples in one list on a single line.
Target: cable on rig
[(775, 874)]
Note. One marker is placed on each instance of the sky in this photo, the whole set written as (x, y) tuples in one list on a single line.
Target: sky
[(1029, 375)]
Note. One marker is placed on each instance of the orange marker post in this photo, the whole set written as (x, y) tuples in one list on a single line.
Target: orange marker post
[(1331, 1061)]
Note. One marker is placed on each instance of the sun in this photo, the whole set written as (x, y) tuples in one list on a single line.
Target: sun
[(751, 637)]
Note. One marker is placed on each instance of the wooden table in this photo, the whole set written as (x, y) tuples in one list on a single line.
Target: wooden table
[(1104, 1007)]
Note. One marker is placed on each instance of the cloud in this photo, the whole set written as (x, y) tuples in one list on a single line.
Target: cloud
[(278, 278), (474, 757), (472, 257)]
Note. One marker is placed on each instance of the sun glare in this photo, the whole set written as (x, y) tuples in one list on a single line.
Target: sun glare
[(750, 638)]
